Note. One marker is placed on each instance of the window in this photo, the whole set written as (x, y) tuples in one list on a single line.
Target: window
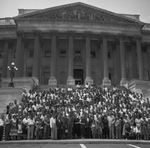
[(110, 76), (31, 53), (29, 72), (109, 55), (62, 52), (93, 54), (47, 53), (0, 77), (14, 53), (1, 54), (77, 53)]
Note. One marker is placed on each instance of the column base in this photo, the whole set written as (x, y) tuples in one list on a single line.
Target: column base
[(123, 81), (106, 81), (52, 81), (89, 80), (70, 81)]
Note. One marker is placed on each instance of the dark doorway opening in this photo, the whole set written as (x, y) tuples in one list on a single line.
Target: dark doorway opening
[(78, 76)]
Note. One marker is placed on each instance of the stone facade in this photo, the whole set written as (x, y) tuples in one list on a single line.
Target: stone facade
[(75, 43)]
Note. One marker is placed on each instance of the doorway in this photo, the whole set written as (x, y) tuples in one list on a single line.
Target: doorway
[(78, 76)]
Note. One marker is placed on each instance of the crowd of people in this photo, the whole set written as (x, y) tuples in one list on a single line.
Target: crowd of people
[(71, 113)]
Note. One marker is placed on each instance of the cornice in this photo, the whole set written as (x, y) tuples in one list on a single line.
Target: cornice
[(27, 20), (145, 32), (8, 27)]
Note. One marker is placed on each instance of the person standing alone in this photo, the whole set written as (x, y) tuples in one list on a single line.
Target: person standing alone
[(53, 127)]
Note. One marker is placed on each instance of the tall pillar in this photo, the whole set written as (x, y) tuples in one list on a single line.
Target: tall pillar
[(148, 55), (70, 80), (100, 57), (106, 81), (122, 58), (88, 79), (36, 57), (5, 60), (53, 80), (19, 55), (139, 57), (118, 67)]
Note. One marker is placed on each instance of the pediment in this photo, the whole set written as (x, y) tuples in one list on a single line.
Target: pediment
[(77, 12)]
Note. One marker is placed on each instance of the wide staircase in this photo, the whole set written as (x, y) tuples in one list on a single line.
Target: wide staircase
[(9, 94)]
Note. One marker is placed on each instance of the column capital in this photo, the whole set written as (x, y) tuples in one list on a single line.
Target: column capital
[(70, 32), (148, 44), (104, 35), (137, 37), (37, 33), (20, 32), (54, 33), (121, 36), (87, 33), (7, 39)]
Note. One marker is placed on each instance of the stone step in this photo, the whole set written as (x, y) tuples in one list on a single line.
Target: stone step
[(8, 95)]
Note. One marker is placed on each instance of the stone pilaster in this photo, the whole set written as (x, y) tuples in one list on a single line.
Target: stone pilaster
[(106, 80), (122, 59), (139, 57), (53, 80), (36, 58), (5, 60), (70, 80), (88, 79)]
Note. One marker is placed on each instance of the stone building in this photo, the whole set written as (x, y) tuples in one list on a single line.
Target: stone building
[(75, 43)]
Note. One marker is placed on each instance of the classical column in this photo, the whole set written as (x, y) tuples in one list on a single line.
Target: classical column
[(122, 59), (148, 55), (70, 80), (100, 57), (106, 80), (36, 57), (139, 57), (118, 67), (88, 79), (5, 60), (19, 55), (53, 80)]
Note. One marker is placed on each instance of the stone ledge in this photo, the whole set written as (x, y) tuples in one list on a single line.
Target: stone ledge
[(78, 141)]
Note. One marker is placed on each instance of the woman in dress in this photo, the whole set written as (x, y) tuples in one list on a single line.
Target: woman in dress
[(7, 126), (13, 130)]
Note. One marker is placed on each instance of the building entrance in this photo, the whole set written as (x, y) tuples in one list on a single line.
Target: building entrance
[(78, 76)]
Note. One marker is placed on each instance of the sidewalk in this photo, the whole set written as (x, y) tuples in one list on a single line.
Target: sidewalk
[(77, 141)]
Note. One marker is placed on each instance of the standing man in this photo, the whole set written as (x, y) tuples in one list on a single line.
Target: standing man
[(46, 126), (53, 127), (1, 127), (30, 130), (111, 123)]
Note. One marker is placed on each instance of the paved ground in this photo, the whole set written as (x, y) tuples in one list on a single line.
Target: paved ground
[(75, 144)]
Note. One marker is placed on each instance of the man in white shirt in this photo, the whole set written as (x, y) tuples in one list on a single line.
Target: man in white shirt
[(31, 123), (53, 127), (111, 123)]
